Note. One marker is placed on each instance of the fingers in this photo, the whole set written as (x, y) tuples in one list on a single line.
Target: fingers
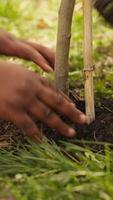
[(47, 53), (48, 84), (25, 51), (42, 56), (43, 113), (23, 121), (60, 104)]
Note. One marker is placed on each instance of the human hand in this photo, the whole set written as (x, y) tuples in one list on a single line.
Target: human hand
[(41, 55), (25, 96)]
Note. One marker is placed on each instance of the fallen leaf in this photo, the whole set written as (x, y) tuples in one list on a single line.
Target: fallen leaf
[(42, 24)]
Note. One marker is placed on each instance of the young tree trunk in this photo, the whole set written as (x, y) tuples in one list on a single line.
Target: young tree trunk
[(63, 44), (88, 61)]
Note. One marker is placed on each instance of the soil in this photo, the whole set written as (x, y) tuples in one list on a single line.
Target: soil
[(101, 130)]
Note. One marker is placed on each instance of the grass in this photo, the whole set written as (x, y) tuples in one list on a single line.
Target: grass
[(47, 171)]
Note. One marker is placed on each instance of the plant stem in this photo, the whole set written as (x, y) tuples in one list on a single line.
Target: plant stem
[(88, 61), (63, 44)]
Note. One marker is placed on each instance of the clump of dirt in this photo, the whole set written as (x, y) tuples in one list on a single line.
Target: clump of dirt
[(101, 130)]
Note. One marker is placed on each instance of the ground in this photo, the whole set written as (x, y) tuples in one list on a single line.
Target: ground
[(81, 167)]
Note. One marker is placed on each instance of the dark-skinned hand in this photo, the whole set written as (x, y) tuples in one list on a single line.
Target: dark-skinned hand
[(12, 46), (25, 96)]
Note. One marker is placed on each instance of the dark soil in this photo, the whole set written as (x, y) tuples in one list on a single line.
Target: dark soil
[(101, 130)]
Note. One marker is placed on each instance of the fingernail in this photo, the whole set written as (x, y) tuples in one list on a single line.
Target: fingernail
[(71, 132), (83, 118), (49, 69)]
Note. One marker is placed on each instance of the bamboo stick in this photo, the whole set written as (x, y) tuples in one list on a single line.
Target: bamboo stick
[(88, 61), (63, 44)]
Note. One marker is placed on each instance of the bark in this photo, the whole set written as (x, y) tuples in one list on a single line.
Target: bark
[(63, 44)]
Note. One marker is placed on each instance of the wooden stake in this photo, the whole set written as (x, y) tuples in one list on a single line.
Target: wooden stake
[(88, 61), (63, 44)]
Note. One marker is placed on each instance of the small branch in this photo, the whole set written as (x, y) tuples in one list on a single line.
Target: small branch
[(63, 44), (88, 61)]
